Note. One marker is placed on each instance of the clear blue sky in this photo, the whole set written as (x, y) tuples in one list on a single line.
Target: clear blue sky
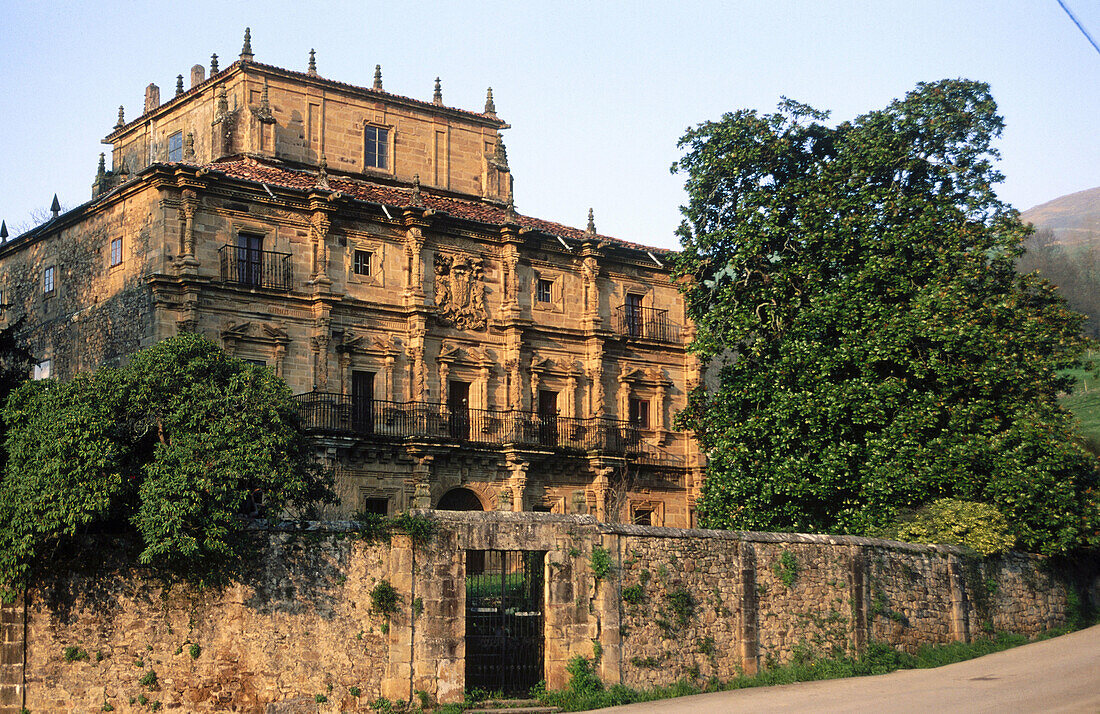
[(597, 93)]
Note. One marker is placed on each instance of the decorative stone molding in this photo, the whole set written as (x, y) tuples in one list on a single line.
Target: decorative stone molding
[(460, 292)]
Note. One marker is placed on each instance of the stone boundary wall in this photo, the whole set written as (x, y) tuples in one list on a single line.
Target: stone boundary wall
[(299, 627)]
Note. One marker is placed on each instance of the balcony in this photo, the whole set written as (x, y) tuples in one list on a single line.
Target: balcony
[(254, 268), (340, 414), (646, 323)]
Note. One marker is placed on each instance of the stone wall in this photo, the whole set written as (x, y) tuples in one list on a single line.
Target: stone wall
[(667, 604)]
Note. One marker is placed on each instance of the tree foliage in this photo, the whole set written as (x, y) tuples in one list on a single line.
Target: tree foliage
[(178, 446), (874, 349)]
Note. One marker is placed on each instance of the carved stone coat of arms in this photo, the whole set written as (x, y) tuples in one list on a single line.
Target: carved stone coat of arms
[(460, 292)]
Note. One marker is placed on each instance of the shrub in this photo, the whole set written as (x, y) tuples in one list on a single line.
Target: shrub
[(600, 562), (74, 654), (634, 594), (384, 598), (967, 523)]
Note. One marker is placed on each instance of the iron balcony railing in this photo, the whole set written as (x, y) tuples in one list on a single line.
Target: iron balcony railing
[(645, 323), (343, 414), (255, 268)]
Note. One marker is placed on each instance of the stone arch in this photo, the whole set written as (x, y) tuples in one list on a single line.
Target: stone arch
[(460, 499)]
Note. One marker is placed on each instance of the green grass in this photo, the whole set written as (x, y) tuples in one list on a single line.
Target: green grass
[(1084, 402), (585, 691)]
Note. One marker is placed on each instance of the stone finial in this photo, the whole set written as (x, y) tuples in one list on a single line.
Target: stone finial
[(55, 207), (591, 229), (414, 198), (312, 62), (246, 50), (510, 209), (223, 102), (152, 97), (490, 105), (102, 168), (500, 153), (179, 84), (322, 174), (437, 98), (189, 147), (121, 118), (213, 64), (3, 231), (198, 75), (378, 76)]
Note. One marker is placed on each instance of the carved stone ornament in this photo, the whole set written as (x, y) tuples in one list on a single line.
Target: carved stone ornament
[(460, 292)]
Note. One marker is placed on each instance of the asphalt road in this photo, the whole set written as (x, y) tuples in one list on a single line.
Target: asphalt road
[(1056, 675)]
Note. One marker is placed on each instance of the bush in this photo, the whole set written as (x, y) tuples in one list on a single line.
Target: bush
[(384, 598), (978, 526)]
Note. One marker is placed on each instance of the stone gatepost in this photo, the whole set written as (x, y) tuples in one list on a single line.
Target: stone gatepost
[(439, 624), (397, 678)]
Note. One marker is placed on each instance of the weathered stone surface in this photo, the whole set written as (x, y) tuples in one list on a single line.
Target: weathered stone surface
[(299, 623)]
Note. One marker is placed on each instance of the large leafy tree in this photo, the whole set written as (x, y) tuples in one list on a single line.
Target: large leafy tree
[(872, 347), (178, 447)]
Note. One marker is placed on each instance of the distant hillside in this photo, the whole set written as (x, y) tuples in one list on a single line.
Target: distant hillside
[(1074, 219), (1065, 250)]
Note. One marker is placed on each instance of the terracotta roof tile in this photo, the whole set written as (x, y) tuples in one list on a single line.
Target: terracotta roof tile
[(251, 169)]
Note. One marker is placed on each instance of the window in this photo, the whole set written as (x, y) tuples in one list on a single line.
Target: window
[(42, 370), (634, 314), (376, 506), (47, 280), (361, 263), (643, 516), (544, 290), (255, 362), (175, 146), (250, 259), (116, 252), (376, 143), (639, 412)]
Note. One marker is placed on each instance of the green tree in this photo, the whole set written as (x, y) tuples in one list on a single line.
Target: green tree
[(178, 446), (872, 347)]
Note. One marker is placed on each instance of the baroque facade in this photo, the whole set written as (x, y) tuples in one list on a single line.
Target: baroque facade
[(447, 351)]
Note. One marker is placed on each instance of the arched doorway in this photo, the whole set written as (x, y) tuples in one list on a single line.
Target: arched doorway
[(459, 499)]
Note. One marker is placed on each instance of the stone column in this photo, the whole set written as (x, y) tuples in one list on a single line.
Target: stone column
[(662, 393), (444, 385), (414, 275), (416, 379), (278, 355), (387, 376), (535, 381), (321, 225), (344, 360), (623, 397), (190, 206), (517, 482), (484, 375), (572, 408)]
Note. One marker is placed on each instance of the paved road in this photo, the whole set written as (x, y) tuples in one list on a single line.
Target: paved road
[(1056, 675)]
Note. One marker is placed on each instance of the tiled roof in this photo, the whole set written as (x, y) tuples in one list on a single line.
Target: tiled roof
[(250, 169)]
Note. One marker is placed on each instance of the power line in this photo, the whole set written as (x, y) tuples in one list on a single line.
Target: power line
[(1080, 26)]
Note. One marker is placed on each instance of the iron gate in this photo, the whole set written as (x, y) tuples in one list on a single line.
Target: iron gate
[(504, 642)]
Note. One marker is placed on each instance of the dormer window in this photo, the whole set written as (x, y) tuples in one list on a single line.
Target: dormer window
[(175, 146), (376, 142)]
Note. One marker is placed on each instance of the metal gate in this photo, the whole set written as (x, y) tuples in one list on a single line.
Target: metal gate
[(504, 641)]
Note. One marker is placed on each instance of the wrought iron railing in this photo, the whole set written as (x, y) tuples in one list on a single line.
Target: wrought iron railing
[(344, 414), (645, 323), (255, 268)]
